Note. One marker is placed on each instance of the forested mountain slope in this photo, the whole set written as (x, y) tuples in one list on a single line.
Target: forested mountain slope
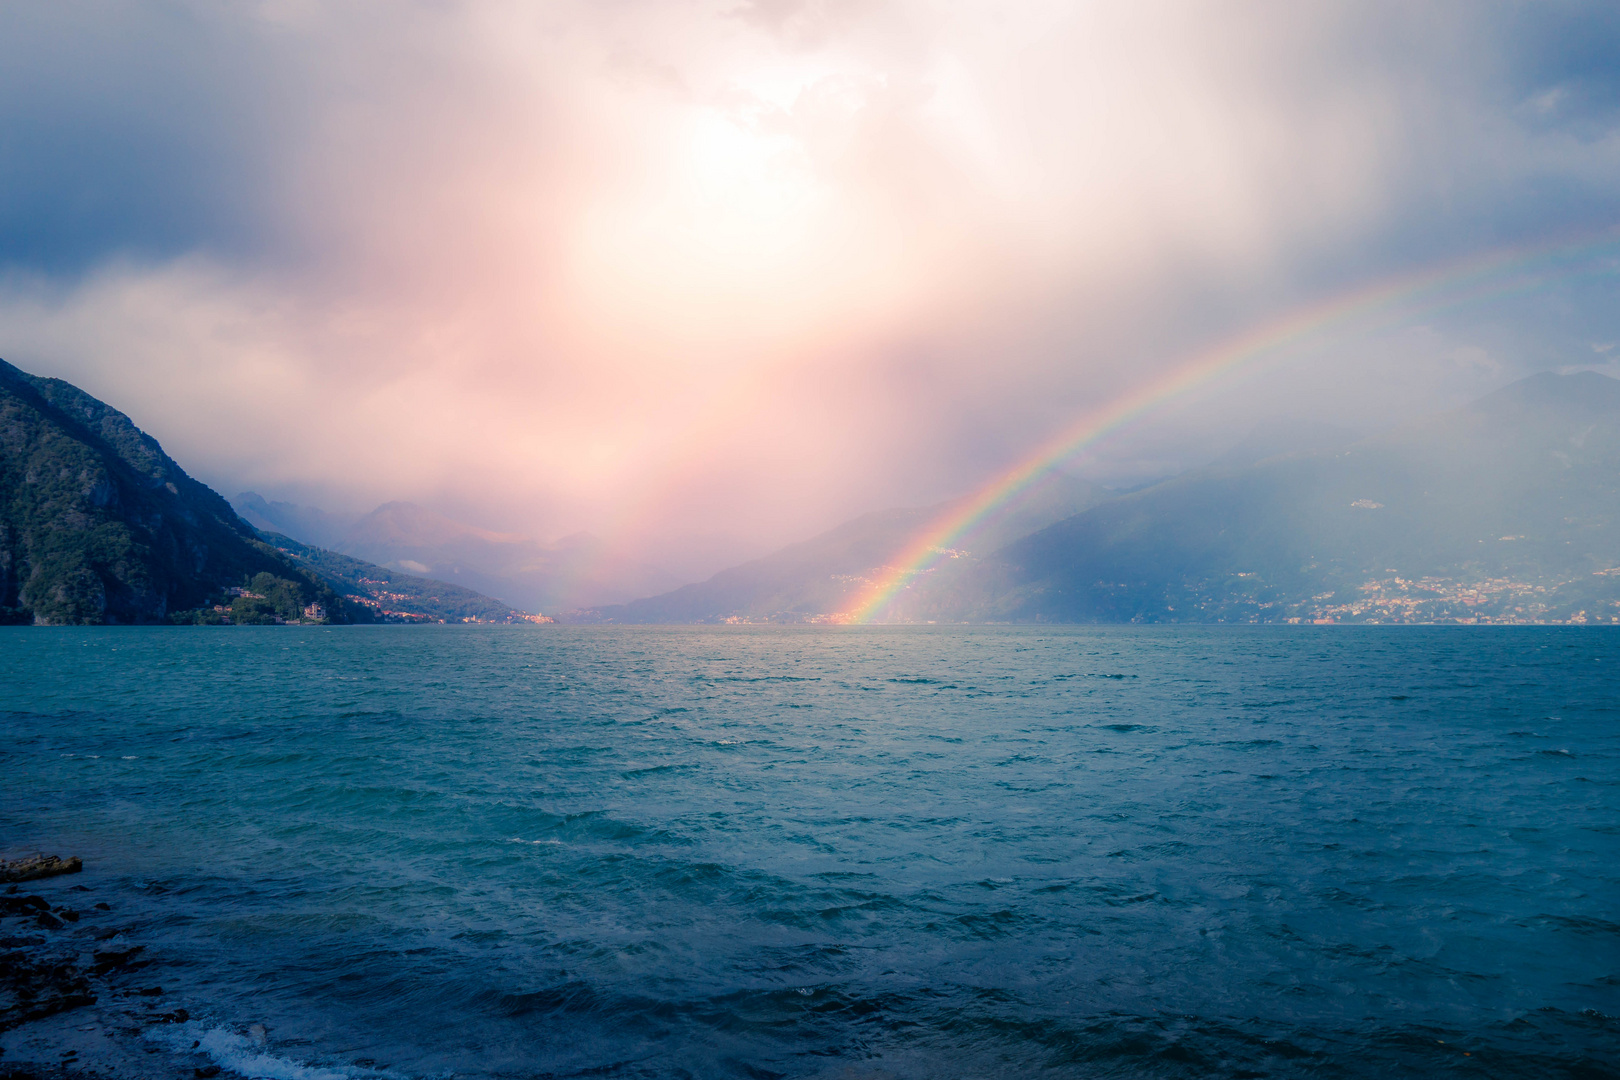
[(99, 525)]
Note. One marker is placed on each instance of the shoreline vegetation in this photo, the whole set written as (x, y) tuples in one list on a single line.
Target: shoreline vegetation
[(267, 600)]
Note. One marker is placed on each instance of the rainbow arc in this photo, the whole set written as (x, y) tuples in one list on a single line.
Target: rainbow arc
[(1489, 275)]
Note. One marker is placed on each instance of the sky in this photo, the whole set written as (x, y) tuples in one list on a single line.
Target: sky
[(706, 277)]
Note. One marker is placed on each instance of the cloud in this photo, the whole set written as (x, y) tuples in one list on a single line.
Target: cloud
[(642, 268)]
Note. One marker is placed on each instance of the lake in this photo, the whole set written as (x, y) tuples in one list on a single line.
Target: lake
[(840, 852)]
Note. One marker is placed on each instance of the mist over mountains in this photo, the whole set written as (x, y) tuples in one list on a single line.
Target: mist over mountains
[(1506, 510), (822, 576), (526, 572)]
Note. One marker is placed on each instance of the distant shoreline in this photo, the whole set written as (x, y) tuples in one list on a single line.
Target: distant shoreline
[(831, 627)]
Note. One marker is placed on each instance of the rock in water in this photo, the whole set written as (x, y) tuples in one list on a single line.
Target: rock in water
[(33, 988), (38, 866)]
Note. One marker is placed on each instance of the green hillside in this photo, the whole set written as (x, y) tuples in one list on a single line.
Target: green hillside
[(393, 596), (99, 525)]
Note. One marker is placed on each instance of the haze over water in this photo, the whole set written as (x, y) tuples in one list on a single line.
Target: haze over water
[(899, 852)]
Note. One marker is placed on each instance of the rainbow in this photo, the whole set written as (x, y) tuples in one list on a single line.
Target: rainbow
[(1477, 275)]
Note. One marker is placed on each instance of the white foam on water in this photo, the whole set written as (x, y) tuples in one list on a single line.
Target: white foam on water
[(246, 1056)]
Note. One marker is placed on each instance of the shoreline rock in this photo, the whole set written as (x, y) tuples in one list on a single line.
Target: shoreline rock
[(71, 1007), (34, 867)]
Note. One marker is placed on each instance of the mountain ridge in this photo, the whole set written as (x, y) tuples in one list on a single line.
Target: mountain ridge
[(98, 525), (1515, 492), (1437, 519), (819, 578), (396, 596), (414, 539)]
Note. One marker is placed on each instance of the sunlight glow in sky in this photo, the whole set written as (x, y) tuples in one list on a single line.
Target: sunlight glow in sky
[(703, 277)]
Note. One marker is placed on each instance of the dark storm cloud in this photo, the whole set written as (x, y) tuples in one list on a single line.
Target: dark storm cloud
[(158, 129), (1562, 69), (139, 130), (782, 261)]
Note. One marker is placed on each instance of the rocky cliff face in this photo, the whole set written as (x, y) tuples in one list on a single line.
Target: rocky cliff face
[(98, 524)]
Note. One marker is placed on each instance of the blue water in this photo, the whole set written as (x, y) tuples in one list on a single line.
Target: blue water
[(910, 852)]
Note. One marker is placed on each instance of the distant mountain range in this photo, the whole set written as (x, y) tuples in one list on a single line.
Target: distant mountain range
[(99, 525), (1507, 510), (532, 573), (821, 576), (395, 596)]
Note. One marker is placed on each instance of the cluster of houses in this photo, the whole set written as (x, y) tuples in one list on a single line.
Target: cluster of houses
[(313, 612), (1434, 599)]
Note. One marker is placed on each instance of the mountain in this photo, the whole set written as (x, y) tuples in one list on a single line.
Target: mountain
[(1506, 510), (394, 596), (310, 525), (99, 525), (1284, 436), (412, 539), (823, 575)]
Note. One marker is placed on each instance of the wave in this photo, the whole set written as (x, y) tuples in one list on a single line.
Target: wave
[(245, 1054)]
